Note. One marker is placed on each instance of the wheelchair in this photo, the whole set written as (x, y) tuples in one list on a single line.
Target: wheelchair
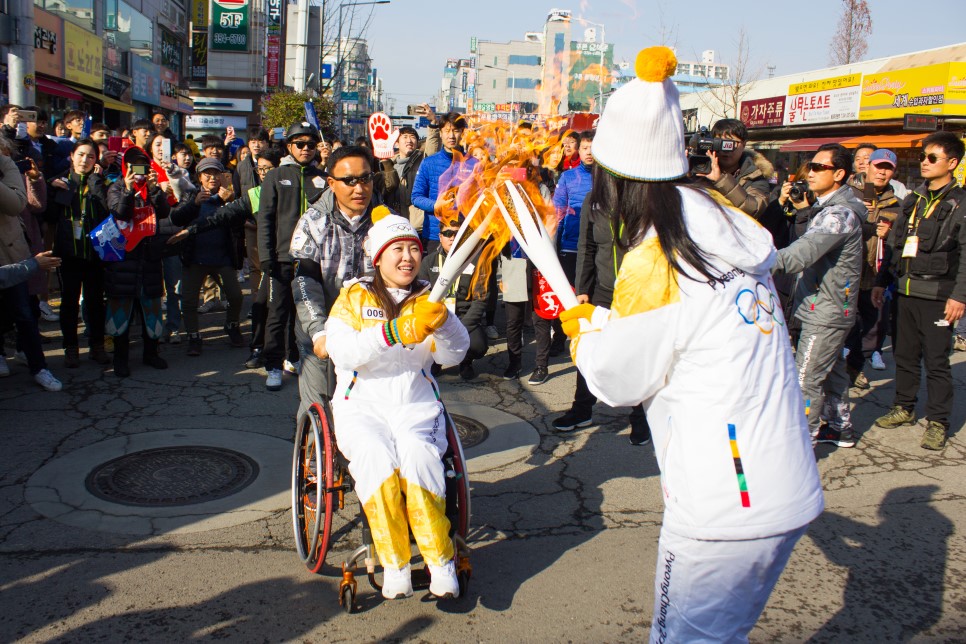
[(320, 481)]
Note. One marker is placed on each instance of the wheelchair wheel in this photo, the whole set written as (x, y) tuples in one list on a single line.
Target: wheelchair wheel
[(313, 496), (456, 463)]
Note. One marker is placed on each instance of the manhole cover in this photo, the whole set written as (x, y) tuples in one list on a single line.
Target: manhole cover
[(471, 432), (172, 476)]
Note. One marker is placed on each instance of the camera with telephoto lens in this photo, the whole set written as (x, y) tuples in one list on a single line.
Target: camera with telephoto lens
[(798, 191), (700, 144)]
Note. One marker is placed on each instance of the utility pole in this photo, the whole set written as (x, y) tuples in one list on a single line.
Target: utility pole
[(20, 58)]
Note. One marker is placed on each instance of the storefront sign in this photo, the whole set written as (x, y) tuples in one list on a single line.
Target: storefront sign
[(199, 57), (589, 74), (273, 46), (212, 122), (48, 43), (763, 112), (83, 57), (823, 101), (229, 25), (274, 13), (146, 81), (199, 14), (933, 89), (169, 89), (117, 86), (171, 51), (209, 103)]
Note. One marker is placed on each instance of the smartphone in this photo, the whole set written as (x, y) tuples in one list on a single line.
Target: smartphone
[(28, 115), (166, 152), (114, 143), (868, 191), (140, 168), (414, 110), (24, 166), (226, 179), (230, 130)]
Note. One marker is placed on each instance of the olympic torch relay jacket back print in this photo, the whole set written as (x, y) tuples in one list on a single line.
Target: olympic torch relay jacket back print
[(368, 369), (712, 363)]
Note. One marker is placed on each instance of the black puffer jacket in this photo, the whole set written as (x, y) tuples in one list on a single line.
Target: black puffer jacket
[(64, 207), (139, 273)]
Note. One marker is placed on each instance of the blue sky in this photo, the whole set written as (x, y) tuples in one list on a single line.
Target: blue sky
[(410, 40)]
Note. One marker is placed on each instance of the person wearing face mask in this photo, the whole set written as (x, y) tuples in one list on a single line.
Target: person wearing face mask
[(134, 285), (77, 204), (286, 194), (383, 334)]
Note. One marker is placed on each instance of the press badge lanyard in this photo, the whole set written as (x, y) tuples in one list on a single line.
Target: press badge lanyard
[(911, 247)]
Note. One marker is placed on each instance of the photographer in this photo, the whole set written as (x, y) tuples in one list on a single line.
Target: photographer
[(828, 260), (740, 176)]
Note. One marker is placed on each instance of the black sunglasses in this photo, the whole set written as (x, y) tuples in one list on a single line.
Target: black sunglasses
[(301, 145), (364, 179), (448, 233), (932, 158)]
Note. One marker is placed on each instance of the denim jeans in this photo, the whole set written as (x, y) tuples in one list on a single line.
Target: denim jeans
[(172, 288)]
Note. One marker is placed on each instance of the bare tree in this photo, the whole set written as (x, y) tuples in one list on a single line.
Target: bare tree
[(724, 100), (850, 41), (355, 24)]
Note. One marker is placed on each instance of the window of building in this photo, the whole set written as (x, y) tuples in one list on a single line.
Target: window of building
[(684, 68), (523, 60), (494, 83), (523, 83), (79, 12), (133, 31)]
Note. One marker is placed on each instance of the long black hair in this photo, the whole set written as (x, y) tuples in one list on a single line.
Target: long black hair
[(634, 207)]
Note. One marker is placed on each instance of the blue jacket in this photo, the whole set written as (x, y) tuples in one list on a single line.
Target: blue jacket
[(428, 184), (568, 198)]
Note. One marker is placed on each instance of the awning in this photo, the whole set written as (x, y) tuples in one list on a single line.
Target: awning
[(768, 145), (810, 145), (109, 103), (56, 89), (889, 140)]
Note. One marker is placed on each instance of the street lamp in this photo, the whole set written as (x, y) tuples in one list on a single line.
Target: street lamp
[(338, 60), (600, 72), (513, 85)]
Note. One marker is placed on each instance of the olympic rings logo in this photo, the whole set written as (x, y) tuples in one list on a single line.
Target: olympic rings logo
[(760, 307)]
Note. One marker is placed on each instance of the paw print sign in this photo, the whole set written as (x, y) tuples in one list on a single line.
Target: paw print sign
[(382, 135)]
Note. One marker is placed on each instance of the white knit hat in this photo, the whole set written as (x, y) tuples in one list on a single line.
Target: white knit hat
[(386, 229), (640, 135)]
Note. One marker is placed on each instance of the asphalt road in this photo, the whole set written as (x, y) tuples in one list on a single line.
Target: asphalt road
[(564, 533)]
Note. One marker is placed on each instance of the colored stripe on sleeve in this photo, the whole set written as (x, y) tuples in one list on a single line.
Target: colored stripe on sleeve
[(739, 468)]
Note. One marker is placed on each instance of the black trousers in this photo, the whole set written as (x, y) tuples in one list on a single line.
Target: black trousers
[(866, 320), (259, 312), (516, 313), (280, 343), (478, 345), (16, 302), (919, 340), (82, 275)]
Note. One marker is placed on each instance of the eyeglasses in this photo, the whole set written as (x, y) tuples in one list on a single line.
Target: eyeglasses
[(448, 233), (820, 167), (261, 170), (364, 179), (932, 158), (301, 145)]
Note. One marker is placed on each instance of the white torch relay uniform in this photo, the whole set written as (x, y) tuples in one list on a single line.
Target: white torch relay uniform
[(712, 363), (390, 424)]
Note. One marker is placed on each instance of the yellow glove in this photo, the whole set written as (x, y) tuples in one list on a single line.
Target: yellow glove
[(414, 328), (570, 319)]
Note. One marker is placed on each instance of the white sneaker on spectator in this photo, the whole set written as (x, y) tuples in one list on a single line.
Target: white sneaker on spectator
[(397, 584), (492, 333), (294, 368), (4, 367), (274, 380), (876, 361), (48, 313), (46, 380), (442, 580)]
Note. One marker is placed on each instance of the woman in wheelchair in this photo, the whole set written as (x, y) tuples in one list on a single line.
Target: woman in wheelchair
[(383, 336)]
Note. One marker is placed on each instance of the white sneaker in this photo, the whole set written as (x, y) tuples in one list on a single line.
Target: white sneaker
[(397, 584), (877, 362), (48, 313), (492, 333), (4, 367), (443, 583), (46, 380), (274, 380), (294, 368)]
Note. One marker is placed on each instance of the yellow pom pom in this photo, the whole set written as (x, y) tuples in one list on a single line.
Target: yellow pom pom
[(379, 212), (655, 64)]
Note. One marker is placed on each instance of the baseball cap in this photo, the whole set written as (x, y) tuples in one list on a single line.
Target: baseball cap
[(882, 154)]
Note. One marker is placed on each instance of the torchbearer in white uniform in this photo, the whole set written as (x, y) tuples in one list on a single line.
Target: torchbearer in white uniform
[(696, 334)]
